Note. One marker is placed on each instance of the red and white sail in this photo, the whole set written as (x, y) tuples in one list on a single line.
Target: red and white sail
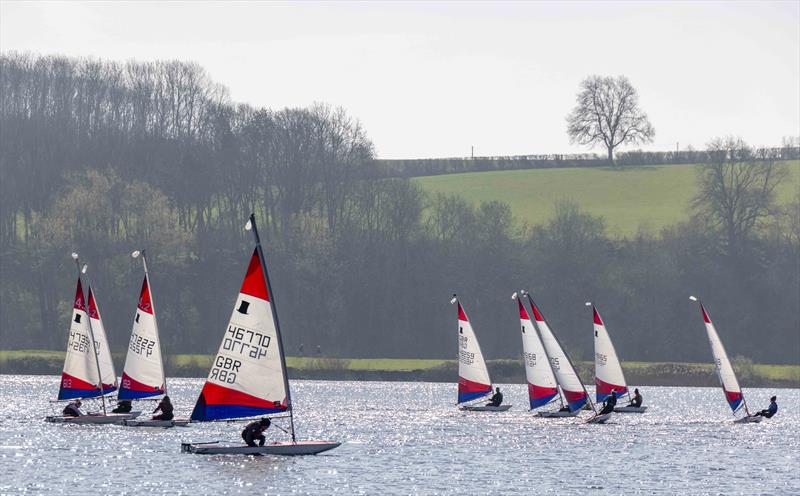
[(247, 376), (727, 377), (567, 378), (473, 376), (608, 373), (104, 359), (79, 378), (542, 385), (143, 374)]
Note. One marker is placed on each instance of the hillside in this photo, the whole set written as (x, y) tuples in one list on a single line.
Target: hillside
[(650, 196)]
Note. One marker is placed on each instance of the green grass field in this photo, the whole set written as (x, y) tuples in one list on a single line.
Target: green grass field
[(628, 198)]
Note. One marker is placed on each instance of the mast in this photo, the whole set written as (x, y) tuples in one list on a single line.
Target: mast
[(82, 270), (588, 396), (135, 254), (251, 225)]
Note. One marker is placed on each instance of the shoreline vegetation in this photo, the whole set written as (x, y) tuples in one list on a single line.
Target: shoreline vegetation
[(43, 362)]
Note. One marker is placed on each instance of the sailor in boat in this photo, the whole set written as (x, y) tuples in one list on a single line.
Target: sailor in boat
[(255, 431), (771, 411), (166, 409), (123, 406), (609, 403), (73, 409), (637, 399), (497, 398)]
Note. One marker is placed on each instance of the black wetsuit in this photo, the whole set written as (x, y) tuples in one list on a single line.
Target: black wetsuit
[(769, 412), (166, 411), (252, 432), (608, 404), (497, 400), (637, 400), (72, 410), (123, 406)]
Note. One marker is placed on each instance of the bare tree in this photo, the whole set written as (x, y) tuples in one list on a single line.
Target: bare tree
[(608, 112), (737, 189)]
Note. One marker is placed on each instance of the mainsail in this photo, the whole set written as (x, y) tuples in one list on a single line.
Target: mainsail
[(247, 376), (542, 385), (104, 359), (565, 374), (143, 374), (607, 369), (727, 377), (473, 377)]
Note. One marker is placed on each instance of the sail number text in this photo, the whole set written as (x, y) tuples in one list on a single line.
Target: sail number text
[(246, 342), (530, 359), (78, 342), (601, 359), (225, 369), (140, 345)]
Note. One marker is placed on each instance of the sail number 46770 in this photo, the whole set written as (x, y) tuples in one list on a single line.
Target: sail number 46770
[(246, 342)]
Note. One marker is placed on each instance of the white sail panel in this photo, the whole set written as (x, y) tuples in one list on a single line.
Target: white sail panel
[(107, 372), (567, 378), (542, 385), (607, 369), (79, 377), (143, 374), (473, 376), (727, 377), (246, 377)]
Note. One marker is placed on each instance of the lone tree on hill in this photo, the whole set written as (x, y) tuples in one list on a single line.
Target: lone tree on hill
[(608, 112)]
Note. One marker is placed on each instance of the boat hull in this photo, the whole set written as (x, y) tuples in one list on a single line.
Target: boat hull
[(501, 408), (599, 419), (177, 422), (630, 409), (557, 414), (111, 418), (749, 419), (280, 449)]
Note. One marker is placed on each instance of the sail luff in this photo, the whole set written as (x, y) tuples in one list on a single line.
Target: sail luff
[(277, 324)]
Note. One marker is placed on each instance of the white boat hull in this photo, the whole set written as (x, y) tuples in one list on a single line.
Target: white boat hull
[(177, 422), (557, 414), (501, 408), (599, 419), (111, 418), (279, 449), (630, 409), (749, 419)]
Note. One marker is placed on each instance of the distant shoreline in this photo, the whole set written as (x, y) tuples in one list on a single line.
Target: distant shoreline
[(42, 362)]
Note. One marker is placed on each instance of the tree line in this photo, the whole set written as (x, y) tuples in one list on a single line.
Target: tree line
[(103, 158)]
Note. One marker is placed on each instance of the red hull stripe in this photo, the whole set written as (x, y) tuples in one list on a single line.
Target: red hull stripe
[(79, 303), (597, 319), (461, 314), (523, 314), (467, 386), (129, 382), (254, 284), (536, 314), (215, 394), (604, 388), (144, 298)]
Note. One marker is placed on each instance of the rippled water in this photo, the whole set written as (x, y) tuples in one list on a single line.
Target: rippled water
[(408, 438)]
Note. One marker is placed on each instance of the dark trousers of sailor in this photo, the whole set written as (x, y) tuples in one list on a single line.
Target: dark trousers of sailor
[(251, 439)]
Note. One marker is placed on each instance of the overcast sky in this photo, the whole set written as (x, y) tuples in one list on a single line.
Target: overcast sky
[(433, 79)]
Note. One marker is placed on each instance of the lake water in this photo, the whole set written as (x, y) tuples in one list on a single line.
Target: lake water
[(408, 438)]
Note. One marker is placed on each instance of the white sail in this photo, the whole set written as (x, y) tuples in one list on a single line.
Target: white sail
[(79, 377), (143, 374), (247, 376), (473, 376), (565, 374), (727, 377), (607, 369), (104, 359), (542, 385)]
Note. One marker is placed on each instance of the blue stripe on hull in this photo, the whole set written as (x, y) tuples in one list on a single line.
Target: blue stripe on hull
[(219, 412)]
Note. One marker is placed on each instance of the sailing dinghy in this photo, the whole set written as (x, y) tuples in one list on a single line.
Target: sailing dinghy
[(542, 385), (727, 377), (608, 373), (575, 394), (473, 376), (88, 367), (248, 375), (143, 374)]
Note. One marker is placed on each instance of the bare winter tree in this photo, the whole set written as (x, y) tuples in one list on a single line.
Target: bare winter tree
[(737, 189), (608, 112)]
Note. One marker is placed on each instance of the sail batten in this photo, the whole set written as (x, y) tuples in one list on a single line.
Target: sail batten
[(473, 376)]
